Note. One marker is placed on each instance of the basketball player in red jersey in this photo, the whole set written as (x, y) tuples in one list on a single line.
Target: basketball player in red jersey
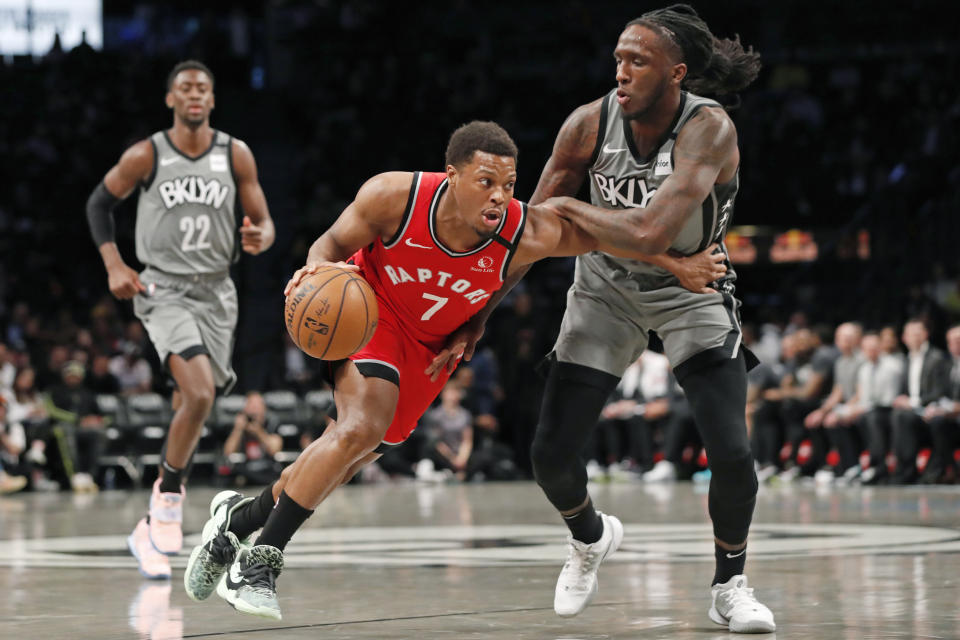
[(434, 247)]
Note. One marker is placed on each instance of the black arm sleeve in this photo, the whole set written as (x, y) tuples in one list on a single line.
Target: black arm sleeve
[(100, 208)]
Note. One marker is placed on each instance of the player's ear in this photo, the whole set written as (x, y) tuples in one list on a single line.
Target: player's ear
[(452, 174), (678, 73), (169, 100)]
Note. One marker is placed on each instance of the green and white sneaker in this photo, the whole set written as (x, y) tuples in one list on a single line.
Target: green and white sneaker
[(218, 547), (250, 585)]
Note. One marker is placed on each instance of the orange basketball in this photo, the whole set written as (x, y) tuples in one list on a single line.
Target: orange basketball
[(331, 314)]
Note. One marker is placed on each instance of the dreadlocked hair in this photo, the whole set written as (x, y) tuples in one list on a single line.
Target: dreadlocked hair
[(715, 66)]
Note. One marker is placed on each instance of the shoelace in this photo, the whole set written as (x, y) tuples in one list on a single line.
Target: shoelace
[(222, 550), (260, 576), (740, 595), (167, 510), (584, 560)]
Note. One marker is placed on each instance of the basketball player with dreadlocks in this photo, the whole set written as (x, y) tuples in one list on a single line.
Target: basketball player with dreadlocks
[(191, 180), (663, 167)]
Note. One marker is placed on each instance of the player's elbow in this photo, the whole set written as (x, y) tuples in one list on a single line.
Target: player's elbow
[(648, 240)]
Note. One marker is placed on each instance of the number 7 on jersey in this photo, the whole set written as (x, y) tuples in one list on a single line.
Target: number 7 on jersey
[(438, 304)]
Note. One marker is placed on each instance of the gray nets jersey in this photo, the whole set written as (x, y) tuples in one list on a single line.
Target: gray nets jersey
[(186, 214), (621, 179)]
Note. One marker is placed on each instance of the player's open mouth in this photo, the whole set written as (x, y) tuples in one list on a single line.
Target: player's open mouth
[(491, 217), (622, 96)]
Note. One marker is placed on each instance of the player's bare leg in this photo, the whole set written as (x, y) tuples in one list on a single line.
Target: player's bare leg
[(365, 408), (161, 534)]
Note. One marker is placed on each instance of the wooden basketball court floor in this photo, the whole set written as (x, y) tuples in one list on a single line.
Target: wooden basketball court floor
[(481, 560)]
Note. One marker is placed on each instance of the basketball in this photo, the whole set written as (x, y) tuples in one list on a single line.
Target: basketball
[(331, 314)]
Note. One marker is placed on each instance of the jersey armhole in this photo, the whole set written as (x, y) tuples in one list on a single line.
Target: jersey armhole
[(145, 184), (408, 212), (601, 130), (515, 243)]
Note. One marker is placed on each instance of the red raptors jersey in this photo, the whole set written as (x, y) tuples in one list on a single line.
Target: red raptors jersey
[(431, 289)]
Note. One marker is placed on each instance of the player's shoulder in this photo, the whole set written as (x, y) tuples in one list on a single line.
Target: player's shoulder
[(387, 184), (139, 157), (385, 195), (711, 121), (584, 121), (580, 132)]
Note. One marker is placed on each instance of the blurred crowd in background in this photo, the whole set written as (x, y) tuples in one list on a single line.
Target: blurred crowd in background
[(853, 125)]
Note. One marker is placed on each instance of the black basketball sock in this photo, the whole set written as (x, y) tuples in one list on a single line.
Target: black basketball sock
[(729, 563), (585, 525), (253, 515), (283, 522), (172, 478)]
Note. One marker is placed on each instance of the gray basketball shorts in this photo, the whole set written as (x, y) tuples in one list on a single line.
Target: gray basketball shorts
[(607, 320), (190, 315)]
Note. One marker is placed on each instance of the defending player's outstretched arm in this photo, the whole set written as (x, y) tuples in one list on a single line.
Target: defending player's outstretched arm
[(376, 211), (706, 147)]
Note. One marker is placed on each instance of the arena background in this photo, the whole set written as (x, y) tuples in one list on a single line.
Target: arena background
[(848, 139)]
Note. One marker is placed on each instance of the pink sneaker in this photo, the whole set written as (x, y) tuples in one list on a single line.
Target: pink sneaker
[(166, 516), (152, 564)]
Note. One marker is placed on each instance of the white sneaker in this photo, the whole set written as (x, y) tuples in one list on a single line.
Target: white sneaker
[(788, 475), (578, 579), (766, 472), (663, 471), (850, 476), (735, 607), (594, 470), (824, 476)]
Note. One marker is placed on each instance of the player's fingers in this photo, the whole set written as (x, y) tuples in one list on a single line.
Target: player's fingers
[(708, 290), (138, 286), (348, 266), (246, 222)]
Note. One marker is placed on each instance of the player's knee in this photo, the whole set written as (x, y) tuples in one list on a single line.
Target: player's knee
[(549, 463), (199, 397), (357, 439)]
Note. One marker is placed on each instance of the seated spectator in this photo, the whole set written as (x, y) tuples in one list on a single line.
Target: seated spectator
[(835, 416), (449, 431), (25, 402), (944, 419), (253, 435), (764, 397), (803, 389), (8, 370), (640, 405), (99, 379), (12, 442), (878, 383), (131, 370), (925, 383), (74, 409)]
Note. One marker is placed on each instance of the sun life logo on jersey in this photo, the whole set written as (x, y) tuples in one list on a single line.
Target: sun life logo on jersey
[(624, 192), (483, 265), (193, 190)]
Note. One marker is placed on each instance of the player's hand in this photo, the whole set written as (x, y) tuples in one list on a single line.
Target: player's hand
[(697, 271), (814, 419), (311, 268), (124, 282), (251, 237), (461, 342)]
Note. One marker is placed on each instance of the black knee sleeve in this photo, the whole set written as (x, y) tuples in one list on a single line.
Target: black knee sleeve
[(733, 496), (572, 401)]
